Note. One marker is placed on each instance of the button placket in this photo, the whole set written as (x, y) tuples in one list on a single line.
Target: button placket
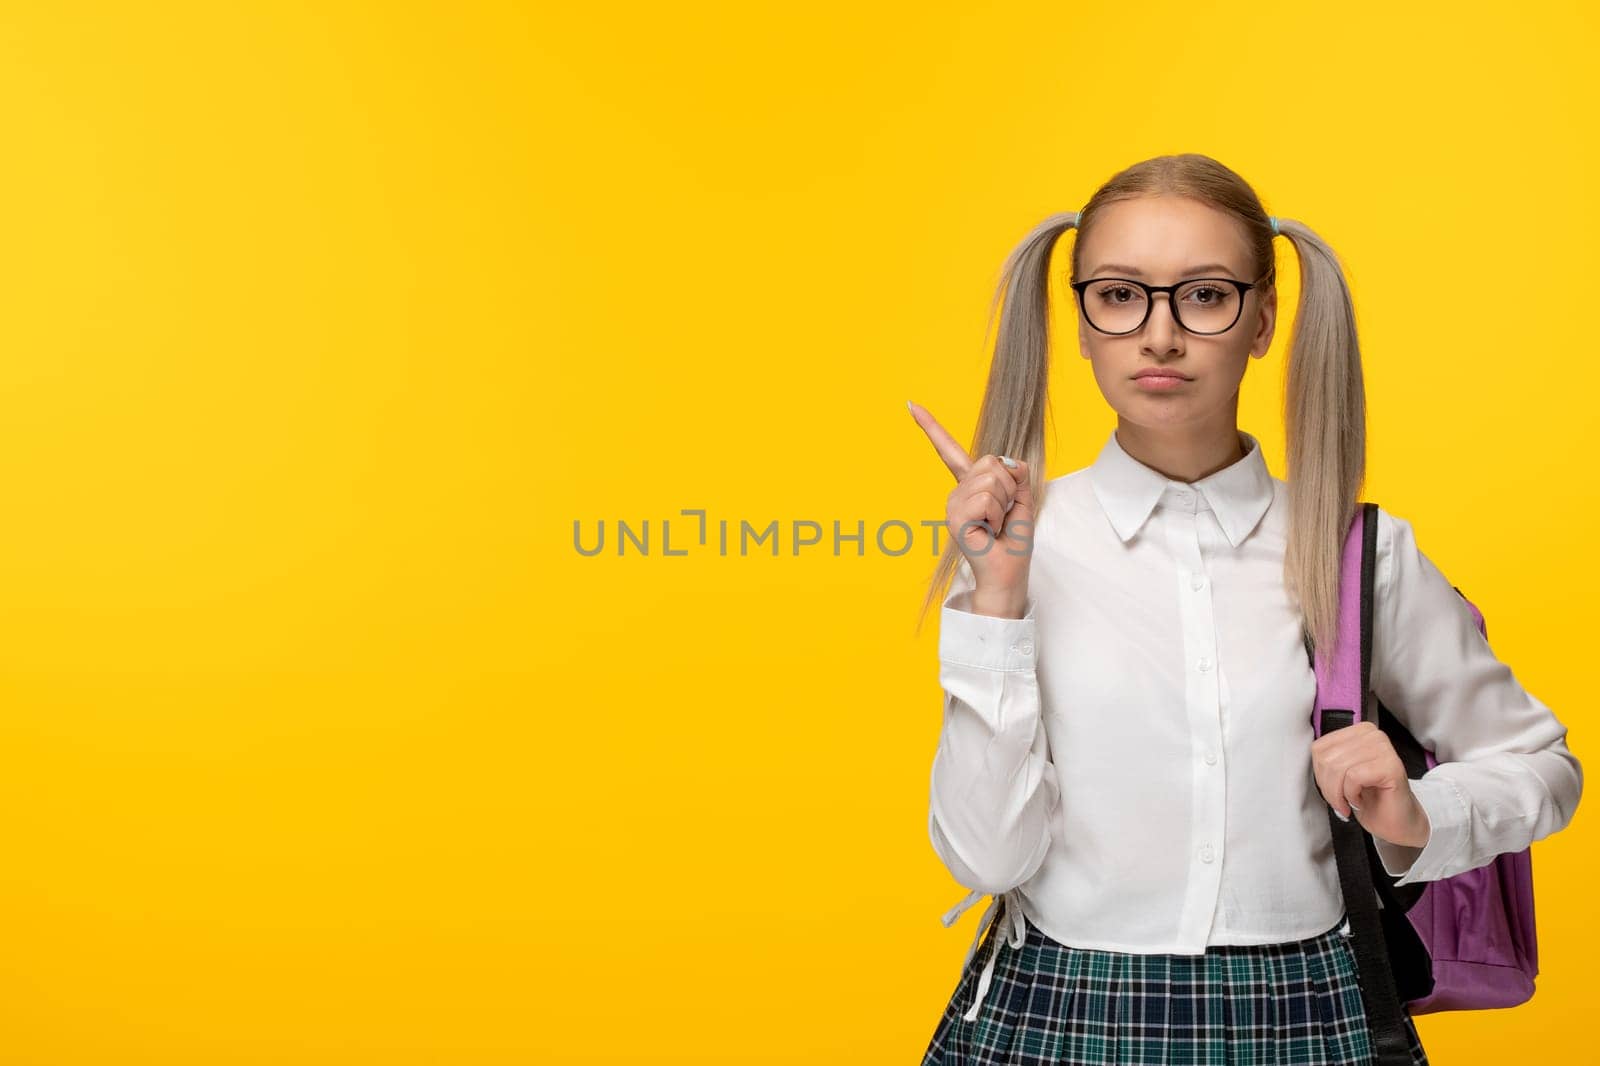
[(1189, 533)]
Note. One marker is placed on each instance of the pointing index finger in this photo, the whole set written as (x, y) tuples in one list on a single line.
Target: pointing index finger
[(950, 450)]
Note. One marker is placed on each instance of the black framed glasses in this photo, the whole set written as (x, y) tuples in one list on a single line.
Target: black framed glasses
[(1206, 306)]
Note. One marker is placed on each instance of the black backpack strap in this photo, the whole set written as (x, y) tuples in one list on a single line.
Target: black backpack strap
[(1384, 1021)]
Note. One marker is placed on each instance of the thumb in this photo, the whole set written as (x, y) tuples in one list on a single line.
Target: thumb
[(1022, 502)]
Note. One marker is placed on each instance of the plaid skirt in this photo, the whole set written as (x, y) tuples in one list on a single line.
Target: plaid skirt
[(1294, 1002)]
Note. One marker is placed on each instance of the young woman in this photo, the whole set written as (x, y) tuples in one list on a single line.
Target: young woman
[(1126, 760)]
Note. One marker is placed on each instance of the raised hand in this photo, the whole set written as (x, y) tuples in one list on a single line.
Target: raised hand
[(990, 515)]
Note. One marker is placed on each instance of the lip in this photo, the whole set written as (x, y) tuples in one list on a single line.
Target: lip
[(1155, 382), (1151, 372)]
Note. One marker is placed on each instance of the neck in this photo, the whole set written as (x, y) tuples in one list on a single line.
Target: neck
[(1183, 454)]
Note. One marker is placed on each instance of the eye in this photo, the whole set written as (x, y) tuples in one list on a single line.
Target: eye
[(1205, 295), (1118, 294)]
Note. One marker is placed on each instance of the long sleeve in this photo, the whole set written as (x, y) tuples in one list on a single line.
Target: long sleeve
[(1505, 776), (993, 788)]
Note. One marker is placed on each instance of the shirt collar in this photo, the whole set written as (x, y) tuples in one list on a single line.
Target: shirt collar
[(1128, 490)]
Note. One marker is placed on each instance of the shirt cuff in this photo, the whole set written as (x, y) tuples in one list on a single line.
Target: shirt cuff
[(1447, 835), (984, 640)]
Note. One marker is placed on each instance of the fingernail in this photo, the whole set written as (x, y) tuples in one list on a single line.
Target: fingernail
[(1006, 459), (1353, 807), (1342, 817)]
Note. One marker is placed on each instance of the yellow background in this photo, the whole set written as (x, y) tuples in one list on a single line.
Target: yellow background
[(322, 324)]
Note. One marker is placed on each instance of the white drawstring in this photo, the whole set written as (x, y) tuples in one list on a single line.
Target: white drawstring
[(1019, 932)]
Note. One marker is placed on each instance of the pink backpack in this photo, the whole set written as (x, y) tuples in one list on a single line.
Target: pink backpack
[(1460, 943)]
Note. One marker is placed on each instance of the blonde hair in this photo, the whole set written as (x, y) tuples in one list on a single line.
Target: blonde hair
[(1324, 403)]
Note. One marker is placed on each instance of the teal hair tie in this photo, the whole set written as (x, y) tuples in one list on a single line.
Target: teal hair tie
[(1274, 220)]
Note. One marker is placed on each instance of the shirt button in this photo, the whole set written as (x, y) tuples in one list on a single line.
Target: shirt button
[(1026, 647), (1211, 758), (1197, 582), (1204, 664), (1207, 854)]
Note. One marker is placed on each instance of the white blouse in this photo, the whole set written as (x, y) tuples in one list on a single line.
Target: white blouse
[(1129, 764)]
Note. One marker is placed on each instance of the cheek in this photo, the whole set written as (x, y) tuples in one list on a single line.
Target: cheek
[(1220, 370), (1232, 370), (1104, 353), (1101, 367)]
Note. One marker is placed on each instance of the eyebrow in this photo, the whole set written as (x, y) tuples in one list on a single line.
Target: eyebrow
[(1135, 272)]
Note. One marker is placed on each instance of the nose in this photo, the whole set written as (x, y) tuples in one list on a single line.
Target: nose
[(1161, 333)]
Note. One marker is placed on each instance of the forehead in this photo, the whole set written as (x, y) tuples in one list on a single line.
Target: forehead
[(1163, 236)]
